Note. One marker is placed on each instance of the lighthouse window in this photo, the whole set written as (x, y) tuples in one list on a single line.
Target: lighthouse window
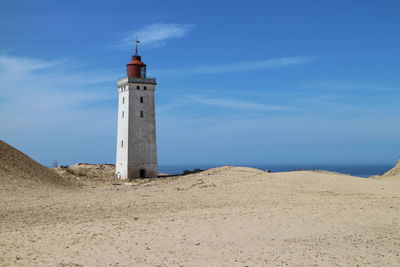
[(138, 87), (122, 114), (143, 72), (141, 114), (123, 100), (122, 143), (141, 99), (145, 88)]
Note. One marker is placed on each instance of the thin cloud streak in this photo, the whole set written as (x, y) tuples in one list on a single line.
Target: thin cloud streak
[(350, 86), (241, 66), (155, 35), (20, 65), (237, 104)]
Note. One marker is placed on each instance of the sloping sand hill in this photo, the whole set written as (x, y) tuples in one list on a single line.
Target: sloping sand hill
[(395, 171), (19, 173), (227, 216)]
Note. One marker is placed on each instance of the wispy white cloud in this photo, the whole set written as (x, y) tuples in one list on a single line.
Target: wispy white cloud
[(155, 34), (350, 86), (237, 104), (240, 66), (21, 66)]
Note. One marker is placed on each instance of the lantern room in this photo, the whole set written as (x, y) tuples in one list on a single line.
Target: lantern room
[(136, 68)]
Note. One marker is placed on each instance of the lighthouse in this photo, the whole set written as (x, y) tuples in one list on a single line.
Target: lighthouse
[(136, 130)]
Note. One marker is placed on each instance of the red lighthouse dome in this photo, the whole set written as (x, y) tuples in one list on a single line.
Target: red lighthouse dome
[(136, 68)]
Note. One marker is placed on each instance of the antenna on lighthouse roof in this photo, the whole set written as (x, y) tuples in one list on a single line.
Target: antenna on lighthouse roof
[(137, 41)]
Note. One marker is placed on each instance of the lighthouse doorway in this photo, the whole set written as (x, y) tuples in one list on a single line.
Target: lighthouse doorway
[(142, 173)]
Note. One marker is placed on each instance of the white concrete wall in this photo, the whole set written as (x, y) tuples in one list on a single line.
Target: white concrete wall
[(138, 133), (121, 165)]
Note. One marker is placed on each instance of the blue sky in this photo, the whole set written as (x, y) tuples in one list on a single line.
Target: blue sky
[(239, 82)]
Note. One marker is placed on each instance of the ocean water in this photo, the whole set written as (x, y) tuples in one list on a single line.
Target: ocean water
[(355, 170)]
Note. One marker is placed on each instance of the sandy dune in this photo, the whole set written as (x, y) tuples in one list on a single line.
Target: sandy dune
[(228, 216), (394, 172), (20, 174)]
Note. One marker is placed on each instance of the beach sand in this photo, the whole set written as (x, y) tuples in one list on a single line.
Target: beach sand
[(228, 216)]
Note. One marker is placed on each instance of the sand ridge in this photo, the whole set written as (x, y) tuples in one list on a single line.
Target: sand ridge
[(20, 173), (395, 171)]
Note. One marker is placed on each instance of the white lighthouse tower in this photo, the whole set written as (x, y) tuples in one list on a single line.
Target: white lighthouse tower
[(136, 135)]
